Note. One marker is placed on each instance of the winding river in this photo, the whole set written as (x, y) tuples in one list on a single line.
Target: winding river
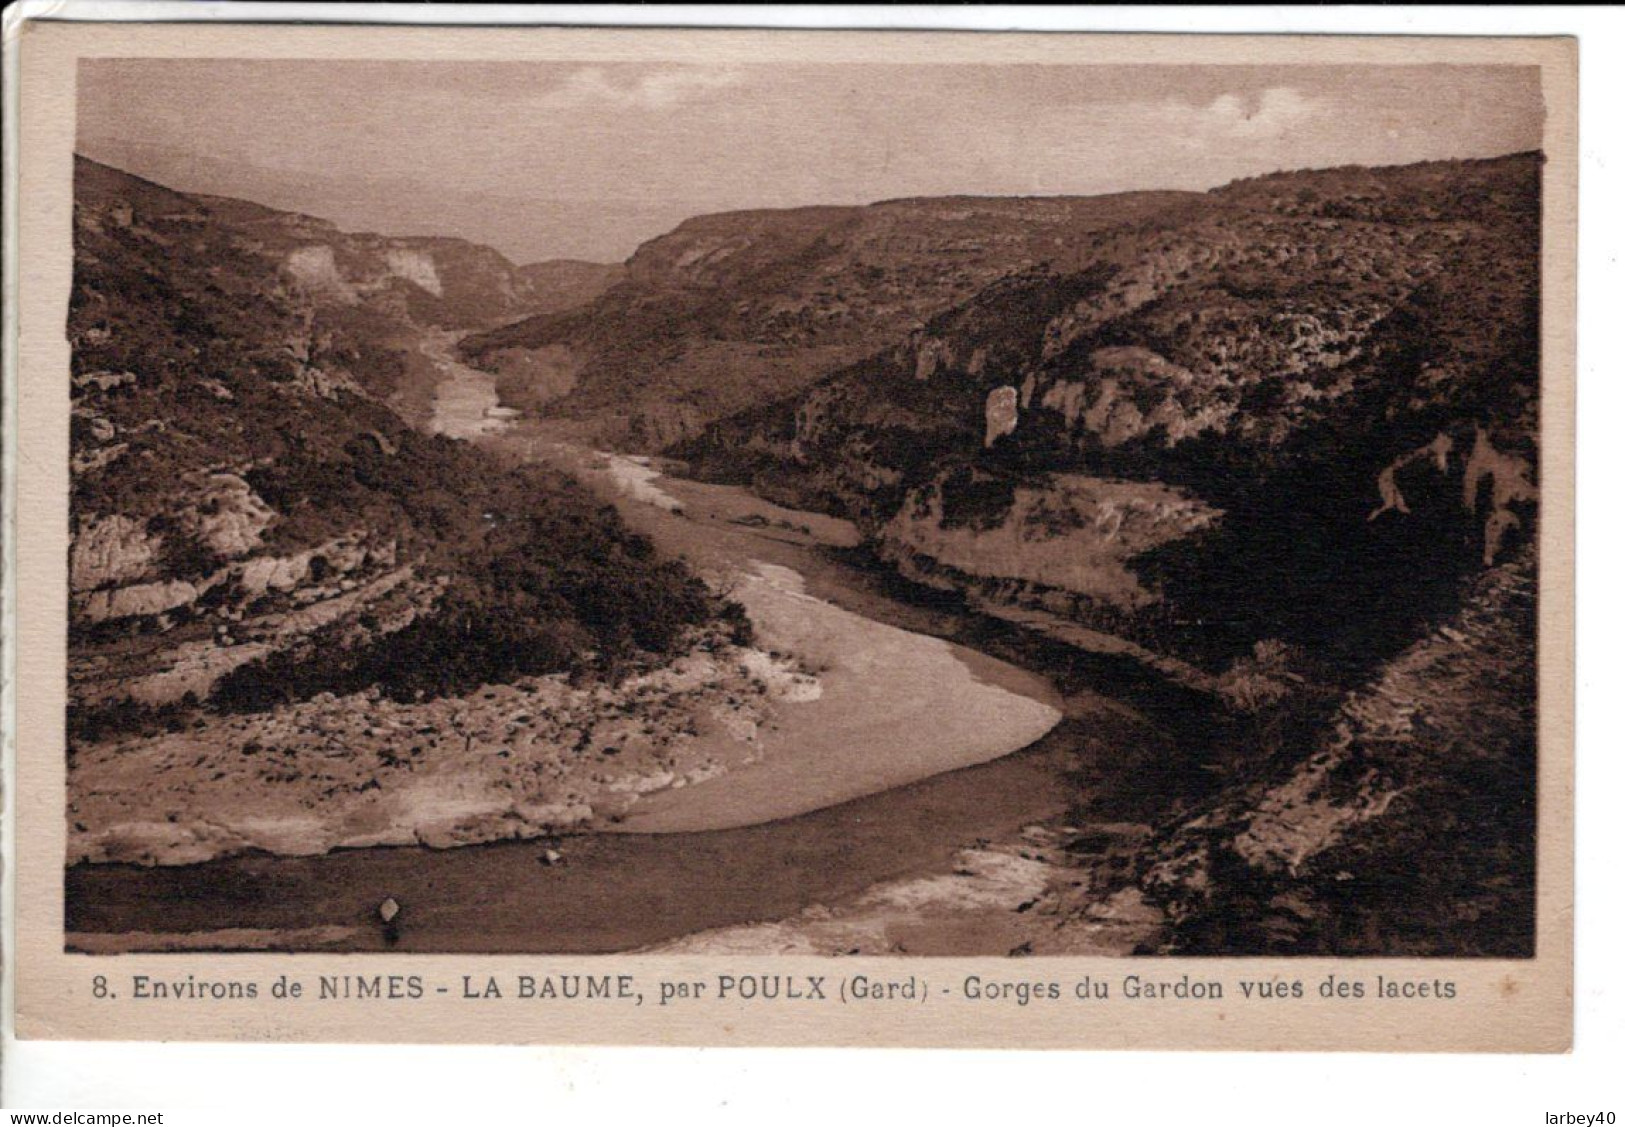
[(658, 879)]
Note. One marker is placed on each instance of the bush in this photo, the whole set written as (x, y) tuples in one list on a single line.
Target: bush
[(1260, 680)]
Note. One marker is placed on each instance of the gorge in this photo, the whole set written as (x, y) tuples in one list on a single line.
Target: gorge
[(1150, 572)]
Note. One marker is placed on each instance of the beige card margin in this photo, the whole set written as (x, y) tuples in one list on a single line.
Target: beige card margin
[(1504, 1005)]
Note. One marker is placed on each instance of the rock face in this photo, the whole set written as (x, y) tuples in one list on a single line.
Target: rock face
[(1135, 393), (729, 309), (108, 551), (316, 268), (193, 667), (1001, 414), (416, 267), (210, 530), (1073, 534), (227, 516), (143, 600)]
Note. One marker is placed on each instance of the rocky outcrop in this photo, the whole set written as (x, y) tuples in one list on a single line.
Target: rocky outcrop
[(416, 266), (264, 574), (226, 515), (1133, 393), (192, 669), (145, 600), (1071, 533), (929, 355), (1510, 487), (316, 268), (108, 551), (1495, 485), (1001, 414), (1395, 833)]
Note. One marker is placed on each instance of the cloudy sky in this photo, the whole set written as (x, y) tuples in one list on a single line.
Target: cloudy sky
[(548, 160)]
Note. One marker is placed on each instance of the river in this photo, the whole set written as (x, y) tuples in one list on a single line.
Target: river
[(862, 817)]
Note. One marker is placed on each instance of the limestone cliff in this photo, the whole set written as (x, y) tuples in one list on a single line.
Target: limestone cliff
[(253, 523), (1295, 352), (728, 309), (1071, 534)]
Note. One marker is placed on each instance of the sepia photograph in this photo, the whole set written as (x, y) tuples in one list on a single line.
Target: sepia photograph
[(819, 509)]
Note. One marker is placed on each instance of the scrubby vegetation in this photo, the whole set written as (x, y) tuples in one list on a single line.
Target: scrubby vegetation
[(729, 307), (1249, 348), (1282, 438), (198, 360), (536, 579), (1404, 826), (1344, 366)]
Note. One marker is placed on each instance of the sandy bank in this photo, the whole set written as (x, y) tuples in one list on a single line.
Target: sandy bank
[(1016, 896), (635, 477), (504, 762), (893, 707)]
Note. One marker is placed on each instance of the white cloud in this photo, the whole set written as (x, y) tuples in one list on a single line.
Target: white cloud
[(1275, 113), (660, 89)]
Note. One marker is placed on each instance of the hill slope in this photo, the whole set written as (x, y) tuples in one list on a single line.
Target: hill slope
[(1242, 404), (253, 526), (728, 309), (1270, 440), (383, 291)]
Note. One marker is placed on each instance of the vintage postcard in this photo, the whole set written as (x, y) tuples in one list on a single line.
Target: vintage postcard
[(720, 537)]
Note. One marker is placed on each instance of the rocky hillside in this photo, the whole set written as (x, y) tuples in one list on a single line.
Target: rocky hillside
[(441, 282), (1408, 829), (1302, 406), (1278, 442), (561, 284), (380, 291), (253, 524), (729, 308)]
